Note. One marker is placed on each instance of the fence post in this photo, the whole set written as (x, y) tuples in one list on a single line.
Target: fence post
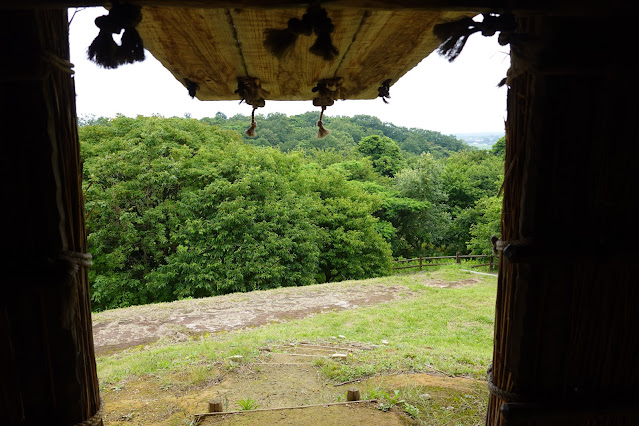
[(420, 262), (457, 259), (490, 268)]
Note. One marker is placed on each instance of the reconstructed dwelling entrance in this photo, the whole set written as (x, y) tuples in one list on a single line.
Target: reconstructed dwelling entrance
[(567, 326)]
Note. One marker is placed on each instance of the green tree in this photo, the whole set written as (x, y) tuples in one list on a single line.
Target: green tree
[(499, 148), (423, 229), (384, 153), (177, 208), (352, 246), (487, 225), (468, 177)]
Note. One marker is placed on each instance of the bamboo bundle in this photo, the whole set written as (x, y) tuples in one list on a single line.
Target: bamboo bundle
[(566, 329), (49, 374)]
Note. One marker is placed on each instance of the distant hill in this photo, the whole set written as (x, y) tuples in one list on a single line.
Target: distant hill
[(480, 140), (300, 131)]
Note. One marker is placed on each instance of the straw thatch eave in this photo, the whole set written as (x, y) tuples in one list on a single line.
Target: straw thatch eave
[(545, 7), (213, 47)]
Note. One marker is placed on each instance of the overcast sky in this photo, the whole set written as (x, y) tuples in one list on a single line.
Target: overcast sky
[(452, 98)]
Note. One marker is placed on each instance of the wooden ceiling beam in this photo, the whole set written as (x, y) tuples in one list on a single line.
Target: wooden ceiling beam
[(545, 7)]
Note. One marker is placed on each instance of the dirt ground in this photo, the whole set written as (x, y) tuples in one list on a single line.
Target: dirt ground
[(122, 328), (285, 386), (284, 375)]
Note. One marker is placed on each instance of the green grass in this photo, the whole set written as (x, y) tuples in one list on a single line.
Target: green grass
[(448, 330), (442, 330), (247, 404), (448, 407)]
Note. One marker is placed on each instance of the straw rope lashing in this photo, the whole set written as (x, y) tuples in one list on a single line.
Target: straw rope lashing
[(48, 58), (499, 245), (60, 268), (502, 394), (96, 419), (58, 62)]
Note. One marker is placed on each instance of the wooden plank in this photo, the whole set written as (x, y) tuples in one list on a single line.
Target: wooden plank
[(407, 260), (406, 267), (424, 265), (202, 415)]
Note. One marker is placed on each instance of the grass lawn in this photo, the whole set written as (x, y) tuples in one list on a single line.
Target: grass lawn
[(444, 327)]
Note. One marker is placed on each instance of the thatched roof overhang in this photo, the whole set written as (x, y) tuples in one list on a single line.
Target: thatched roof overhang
[(544, 7), (209, 46), (215, 47)]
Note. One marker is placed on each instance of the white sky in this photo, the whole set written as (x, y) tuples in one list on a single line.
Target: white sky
[(452, 98)]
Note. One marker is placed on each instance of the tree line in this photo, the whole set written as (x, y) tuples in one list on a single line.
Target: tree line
[(179, 208)]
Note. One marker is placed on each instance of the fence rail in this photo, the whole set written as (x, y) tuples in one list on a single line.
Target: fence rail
[(424, 261)]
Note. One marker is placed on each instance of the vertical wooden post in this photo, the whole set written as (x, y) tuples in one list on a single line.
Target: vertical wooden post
[(352, 395), (567, 328), (457, 258), (490, 267), (420, 262), (215, 406), (48, 373)]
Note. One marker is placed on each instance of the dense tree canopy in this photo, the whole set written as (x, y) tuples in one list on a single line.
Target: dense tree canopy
[(300, 131), (179, 208)]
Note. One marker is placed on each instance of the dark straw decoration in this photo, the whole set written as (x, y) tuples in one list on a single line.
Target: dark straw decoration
[(454, 35), (324, 99), (250, 132), (280, 42), (250, 91), (384, 90), (104, 51), (192, 87)]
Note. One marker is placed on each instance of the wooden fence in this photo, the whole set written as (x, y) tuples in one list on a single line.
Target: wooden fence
[(425, 261)]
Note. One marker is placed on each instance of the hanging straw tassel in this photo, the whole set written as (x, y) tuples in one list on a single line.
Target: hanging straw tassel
[(383, 91), (104, 51), (322, 131), (454, 35), (129, 16), (250, 132), (192, 87)]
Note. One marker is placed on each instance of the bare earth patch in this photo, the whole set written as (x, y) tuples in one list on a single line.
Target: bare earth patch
[(122, 328), (284, 374)]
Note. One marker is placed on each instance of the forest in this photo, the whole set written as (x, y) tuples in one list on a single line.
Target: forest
[(184, 208)]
